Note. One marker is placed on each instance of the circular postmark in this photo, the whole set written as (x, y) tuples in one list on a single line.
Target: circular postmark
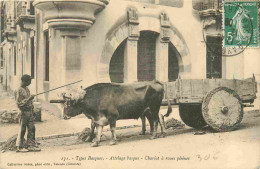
[(236, 31)]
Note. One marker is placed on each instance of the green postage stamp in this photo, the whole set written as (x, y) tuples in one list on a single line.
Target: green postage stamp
[(241, 24)]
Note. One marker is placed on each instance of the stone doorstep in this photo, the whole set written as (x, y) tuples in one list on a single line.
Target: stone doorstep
[(76, 134)]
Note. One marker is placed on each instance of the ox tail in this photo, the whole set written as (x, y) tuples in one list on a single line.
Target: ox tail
[(169, 107)]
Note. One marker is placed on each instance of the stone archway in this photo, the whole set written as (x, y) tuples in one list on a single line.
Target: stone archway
[(121, 33)]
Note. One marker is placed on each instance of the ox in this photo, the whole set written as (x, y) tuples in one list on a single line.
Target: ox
[(105, 103)]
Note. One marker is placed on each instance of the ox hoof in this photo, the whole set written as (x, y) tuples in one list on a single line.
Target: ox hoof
[(65, 117), (113, 142), (95, 144), (142, 133), (163, 135), (153, 137), (89, 139)]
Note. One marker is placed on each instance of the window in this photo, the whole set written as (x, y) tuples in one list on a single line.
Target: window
[(20, 56), (2, 23), (73, 56), (2, 58), (14, 60), (32, 57), (32, 11), (46, 37)]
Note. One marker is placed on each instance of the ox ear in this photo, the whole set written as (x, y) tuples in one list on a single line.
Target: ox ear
[(66, 95)]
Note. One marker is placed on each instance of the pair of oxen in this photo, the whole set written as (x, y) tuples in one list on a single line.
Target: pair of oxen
[(105, 103)]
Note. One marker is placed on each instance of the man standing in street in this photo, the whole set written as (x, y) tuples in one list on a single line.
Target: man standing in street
[(25, 104)]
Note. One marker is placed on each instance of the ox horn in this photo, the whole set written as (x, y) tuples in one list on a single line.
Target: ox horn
[(58, 101)]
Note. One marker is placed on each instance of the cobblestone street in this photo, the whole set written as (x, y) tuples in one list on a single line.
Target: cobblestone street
[(228, 150)]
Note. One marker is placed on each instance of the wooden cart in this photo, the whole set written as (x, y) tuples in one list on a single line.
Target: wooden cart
[(218, 103)]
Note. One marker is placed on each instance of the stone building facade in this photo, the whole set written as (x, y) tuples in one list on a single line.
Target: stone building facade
[(17, 31), (59, 42)]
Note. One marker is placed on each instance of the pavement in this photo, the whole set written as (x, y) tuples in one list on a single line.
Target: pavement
[(52, 126)]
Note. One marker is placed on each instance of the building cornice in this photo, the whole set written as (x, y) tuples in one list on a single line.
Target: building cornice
[(68, 14)]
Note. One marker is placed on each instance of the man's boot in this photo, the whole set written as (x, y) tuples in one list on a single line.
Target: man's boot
[(33, 148), (22, 150)]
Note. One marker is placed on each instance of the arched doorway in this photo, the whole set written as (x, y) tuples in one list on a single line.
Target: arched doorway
[(146, 59), (121, 33)]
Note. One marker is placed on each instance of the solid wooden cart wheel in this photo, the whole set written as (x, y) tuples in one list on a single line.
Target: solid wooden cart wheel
[(222, 109), (191, 115)]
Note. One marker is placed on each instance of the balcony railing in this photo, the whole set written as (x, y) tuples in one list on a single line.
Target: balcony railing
[(25, 14), (213, 4), (201, 5)]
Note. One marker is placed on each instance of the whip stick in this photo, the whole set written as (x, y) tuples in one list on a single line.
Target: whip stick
[(58, 88)]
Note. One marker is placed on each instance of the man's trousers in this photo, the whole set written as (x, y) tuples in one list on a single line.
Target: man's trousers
[(26, 121)]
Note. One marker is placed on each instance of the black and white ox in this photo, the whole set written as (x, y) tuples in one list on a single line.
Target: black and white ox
[(105, 103)]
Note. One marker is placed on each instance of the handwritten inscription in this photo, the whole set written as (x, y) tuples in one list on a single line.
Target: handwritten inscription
[(206, 157)]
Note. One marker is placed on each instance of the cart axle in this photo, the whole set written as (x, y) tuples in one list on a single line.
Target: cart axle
[(224, 109)]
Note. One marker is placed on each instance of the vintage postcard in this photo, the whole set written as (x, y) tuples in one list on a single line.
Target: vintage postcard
[(129, 84)]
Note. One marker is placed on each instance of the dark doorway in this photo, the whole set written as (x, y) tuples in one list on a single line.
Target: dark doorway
[(146, 52), (47, 68), (214, 57), (32, 57), (116, 66), (14, 60), (173, 64)]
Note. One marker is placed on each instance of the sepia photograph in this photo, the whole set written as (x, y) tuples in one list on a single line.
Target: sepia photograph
[(129, 84)]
